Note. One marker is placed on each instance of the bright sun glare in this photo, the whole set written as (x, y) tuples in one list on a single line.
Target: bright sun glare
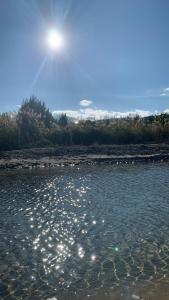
[(55, 40)]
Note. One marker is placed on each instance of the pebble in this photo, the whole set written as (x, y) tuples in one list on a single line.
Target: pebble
[(136, 297)]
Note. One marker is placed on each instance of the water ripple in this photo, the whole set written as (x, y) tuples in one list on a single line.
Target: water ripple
[(79, 231)]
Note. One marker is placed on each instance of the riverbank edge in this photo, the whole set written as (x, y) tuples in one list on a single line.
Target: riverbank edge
[(83, 155)]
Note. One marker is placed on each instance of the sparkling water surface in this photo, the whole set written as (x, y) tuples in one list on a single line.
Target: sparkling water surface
[(74, 233)]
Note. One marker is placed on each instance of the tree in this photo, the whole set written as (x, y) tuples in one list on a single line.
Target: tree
[(38, 108), (33, 118), (63, 120), (8, 131)]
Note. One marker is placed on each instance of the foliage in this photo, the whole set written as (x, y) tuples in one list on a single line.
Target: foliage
[(34, 126), (63, 120), (33, 117), (8, 132)]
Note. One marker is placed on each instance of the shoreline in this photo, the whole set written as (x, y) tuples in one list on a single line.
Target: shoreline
[(83, 155)]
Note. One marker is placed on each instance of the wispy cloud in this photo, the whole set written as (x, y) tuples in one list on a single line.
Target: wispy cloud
[(85, 102), (166, 111), (165, 92), (100, 114)]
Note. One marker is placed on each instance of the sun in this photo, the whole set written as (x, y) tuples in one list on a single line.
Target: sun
[(55, 40)]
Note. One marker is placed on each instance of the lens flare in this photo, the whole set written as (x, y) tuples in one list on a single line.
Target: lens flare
[(55, 40)]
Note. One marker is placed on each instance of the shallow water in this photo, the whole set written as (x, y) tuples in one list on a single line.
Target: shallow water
[(75, 233)]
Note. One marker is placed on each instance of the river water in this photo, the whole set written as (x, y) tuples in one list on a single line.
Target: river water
[(98, 232)]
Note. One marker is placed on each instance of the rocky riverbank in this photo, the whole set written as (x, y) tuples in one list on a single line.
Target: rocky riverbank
[(77, 155)]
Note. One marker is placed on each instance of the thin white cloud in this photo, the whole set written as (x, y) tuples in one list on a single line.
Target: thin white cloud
[(165, 92), (166, 111), (85, 102), (100, 114)]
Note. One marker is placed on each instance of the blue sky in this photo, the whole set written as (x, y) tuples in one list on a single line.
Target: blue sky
[(116, 54)]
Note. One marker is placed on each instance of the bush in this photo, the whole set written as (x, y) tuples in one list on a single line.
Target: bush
[(35, 126)]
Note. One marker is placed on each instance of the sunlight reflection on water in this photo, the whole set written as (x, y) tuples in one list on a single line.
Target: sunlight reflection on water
[(83, 231)]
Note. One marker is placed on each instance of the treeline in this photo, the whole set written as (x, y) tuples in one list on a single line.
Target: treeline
[(34, 126)]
